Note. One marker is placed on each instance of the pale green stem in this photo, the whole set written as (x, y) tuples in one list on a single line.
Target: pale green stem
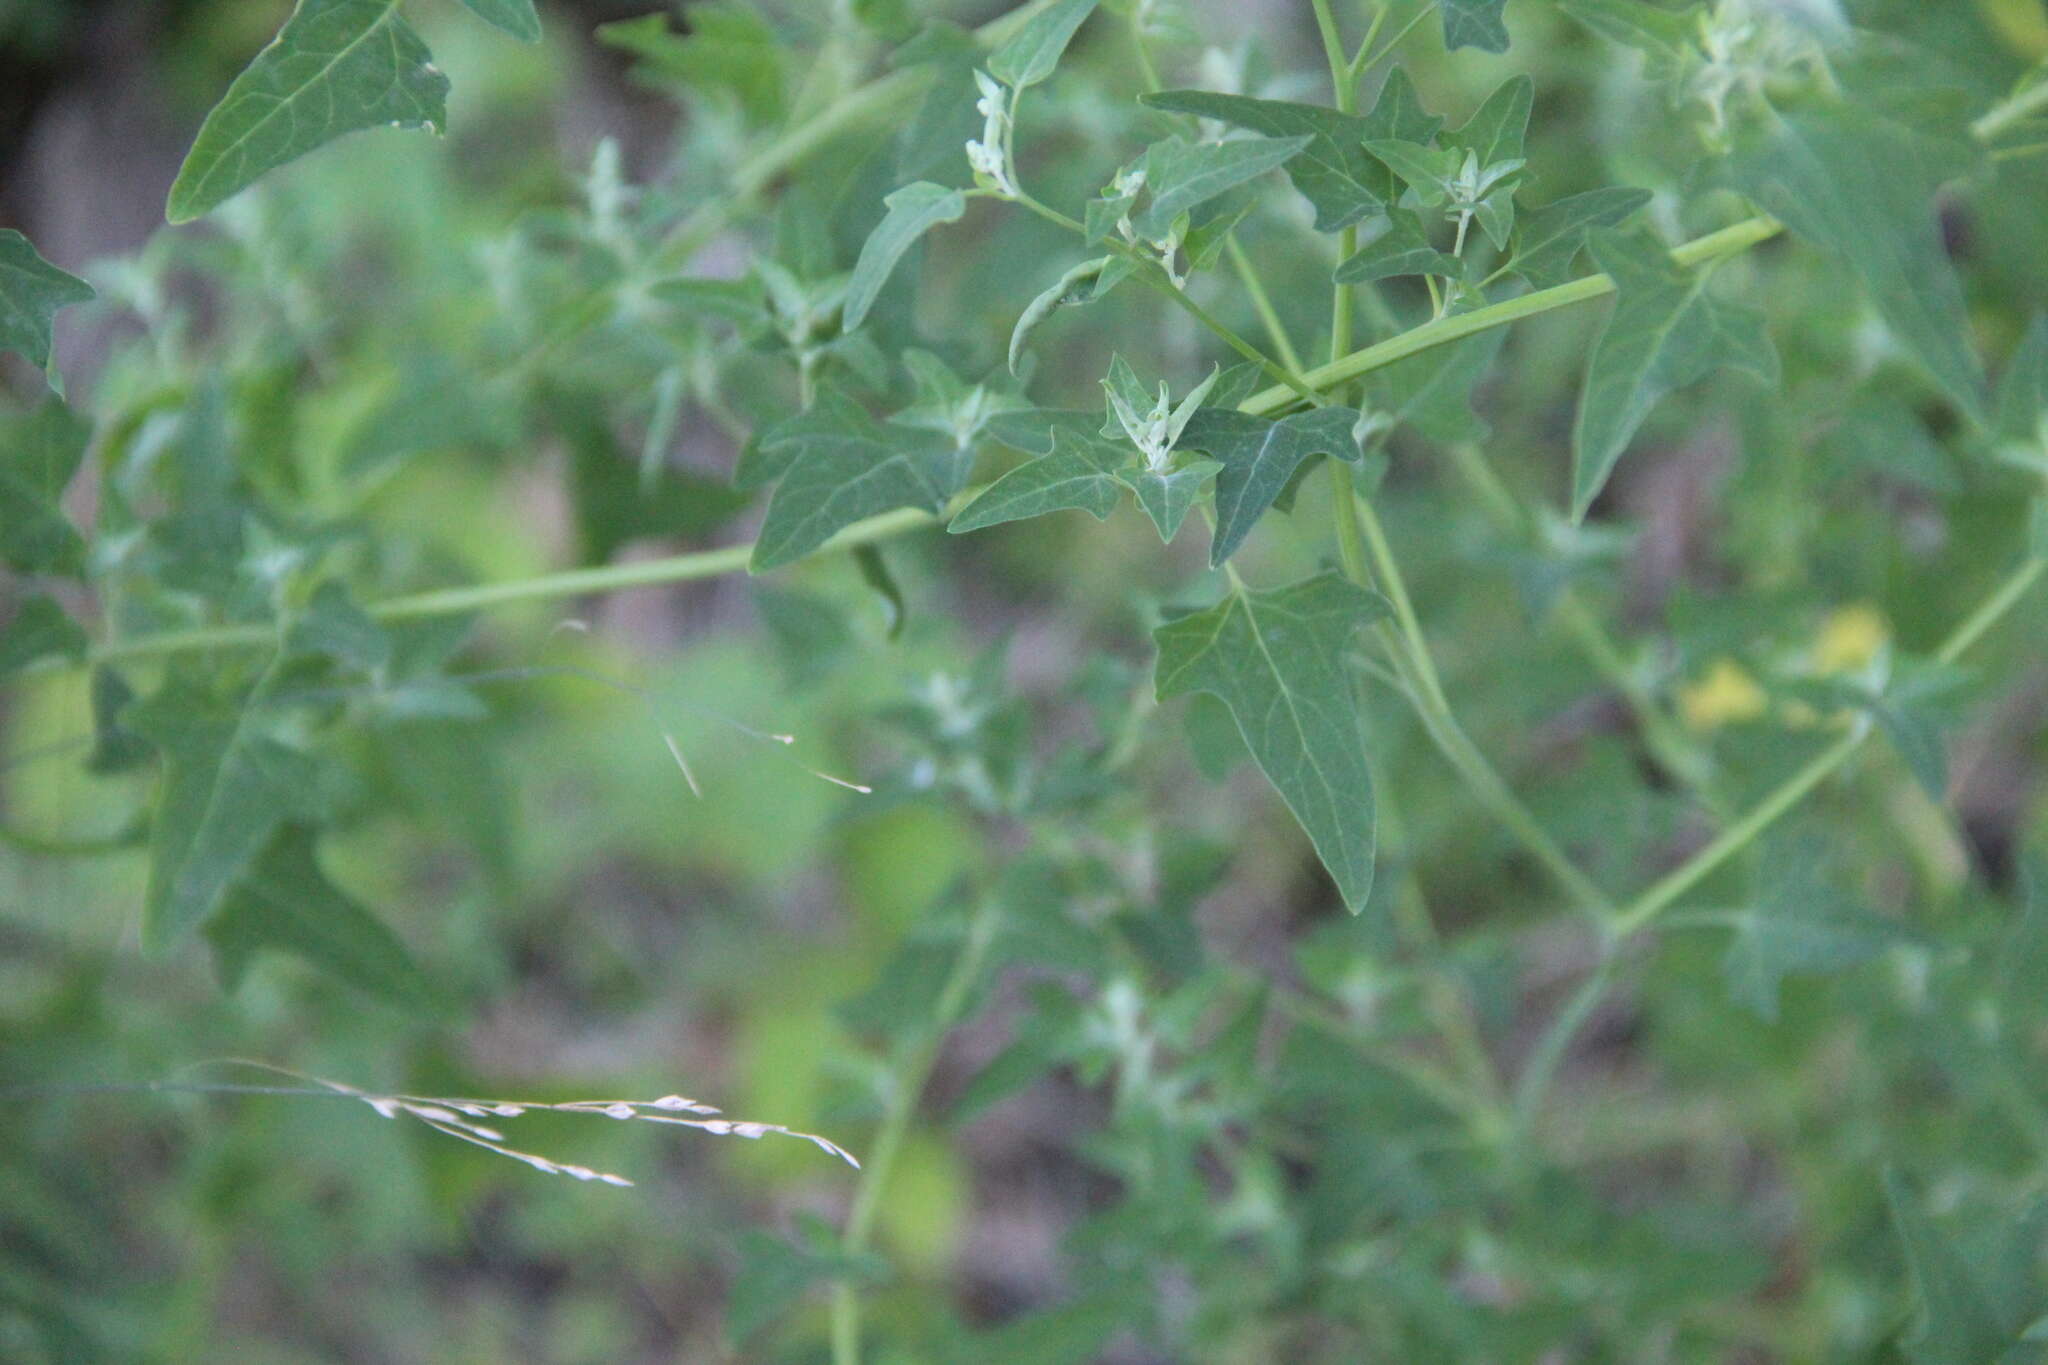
[(2011, 110), (1262, 304), (908, 1082)]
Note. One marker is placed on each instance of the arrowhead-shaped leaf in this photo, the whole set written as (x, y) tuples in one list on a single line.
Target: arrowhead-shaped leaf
[(31, 292), (1550, 238), (1475, 23), (1665, 332), (913, 211), (335, 67), (1391, 245), (284, 902), (840, 467), (1258, 458), (1861, 189), (39, 452), (1499, 126), (1167, 495), (1075, 475), (1331, 171), (1396, 116), (225, 789), (1276, 659)]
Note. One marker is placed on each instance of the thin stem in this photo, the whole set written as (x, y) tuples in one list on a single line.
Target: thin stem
[(1739, 835), (1443, 331), (1356, 66), (2011, 110), (1362, 63), (908, 1087), (1262, 303), (1533, 1085)]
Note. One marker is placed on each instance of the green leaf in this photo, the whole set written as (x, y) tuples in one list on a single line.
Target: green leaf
[(335, 67), (31, 292), (1550, 238), (1432, 390), (40, 630), (730, 52), (1475, 23), (1428, 171), (516, 17), (874, 571), (39, 453), (285, 903), (1392, 245), (1084, 284), (913, 211), (1276, 659), (1182, 175), (843, 466), (775, 1273), (225, 789), (2023, 397), (1499, 126), (1956, 1323), (1861, 189), (1167, 495), (1258, 458), (115, 747), (1799, 924), (1665, 332), (1077, 474), (1331, 171), (1397, 115), (333, 625), (1035, 49)]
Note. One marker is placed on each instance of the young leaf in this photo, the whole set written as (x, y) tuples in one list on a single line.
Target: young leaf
[(1550, 238), (1955, 1321), (1035, 49), (913, 211), (1428, 171), (1391, 245), (31, 292), (516, 17), (1258, 458), (1665, 332), (1276, 659), (843, 466), (284, 902), (1499, 126), (40, 630), (1475, 23), (1331, 171), (1799, 923), (335, 67), (1167, 495), (1861, 188), (1180, 175), (39, 452), (1075, 475), (225, 789)]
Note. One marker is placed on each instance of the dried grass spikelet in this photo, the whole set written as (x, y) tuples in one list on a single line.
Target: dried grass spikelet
[(461, 1118)]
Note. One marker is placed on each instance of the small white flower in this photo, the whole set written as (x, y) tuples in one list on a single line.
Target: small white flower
[(989, 155)]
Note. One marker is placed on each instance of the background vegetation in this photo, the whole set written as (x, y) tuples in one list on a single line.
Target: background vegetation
[(386, 698)]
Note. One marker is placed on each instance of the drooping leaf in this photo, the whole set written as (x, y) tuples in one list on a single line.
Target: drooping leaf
[(1182, 175), (516, 17), (1331, 171), (913, 211), (1276, 660), (1031, 53), (1475, 23), (841, 466), (1076, 474), (226, 788), (1391, 245), (31, 292), (874, 571), (1258, 458), (1168, 495), (39, 453), (1549, 239), (40, 630), (1861, 188), (335, 67), (285, 903), (1955, 1322), (1083, 284), (1799, 923), (1665, 332)]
